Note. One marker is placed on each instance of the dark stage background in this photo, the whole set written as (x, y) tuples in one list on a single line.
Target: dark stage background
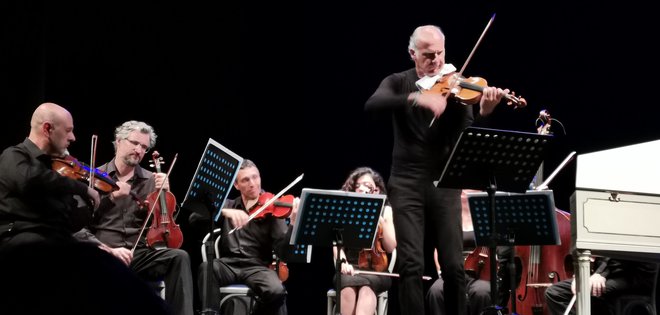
[(284, 84)]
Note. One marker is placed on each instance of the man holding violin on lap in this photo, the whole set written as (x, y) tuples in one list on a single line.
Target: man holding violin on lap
[(120, 218), (246, 253), (420, 152)]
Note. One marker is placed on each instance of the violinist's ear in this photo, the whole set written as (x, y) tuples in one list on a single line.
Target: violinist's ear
[(47, 127), (412, 53)]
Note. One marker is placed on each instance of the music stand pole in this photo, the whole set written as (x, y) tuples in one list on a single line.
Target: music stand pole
[(210, 256), (339, 242), (494, 288), (492, 188)]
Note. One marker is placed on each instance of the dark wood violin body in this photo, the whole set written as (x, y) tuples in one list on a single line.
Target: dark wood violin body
[(374, 258), (164, 232), (478, 263), (281, 268)]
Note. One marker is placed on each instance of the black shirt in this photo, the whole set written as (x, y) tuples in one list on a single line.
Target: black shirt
[(417, 148), (254, 242), (117, 223), (36, 196)]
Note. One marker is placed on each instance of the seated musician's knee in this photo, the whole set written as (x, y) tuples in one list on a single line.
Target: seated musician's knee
[(273, 295)]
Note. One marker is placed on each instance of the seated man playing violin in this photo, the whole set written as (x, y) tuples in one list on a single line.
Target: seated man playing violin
[(36, 203), (358, 292), (119, 226), (246, 252)]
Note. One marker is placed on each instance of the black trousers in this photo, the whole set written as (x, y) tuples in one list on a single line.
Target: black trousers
[(559, 295), (173, 267), (478, 294), (427, 217), (48, 274), (269, 292)]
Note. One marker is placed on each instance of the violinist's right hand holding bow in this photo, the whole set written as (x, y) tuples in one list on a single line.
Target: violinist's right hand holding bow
[(124, 190), (435, 102), (347, 269), (94, 197), (236, 217)]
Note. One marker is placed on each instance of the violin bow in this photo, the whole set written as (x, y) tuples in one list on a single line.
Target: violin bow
[(386, 274), (269, 202), (92, 158), (460, 73), (151, 210)]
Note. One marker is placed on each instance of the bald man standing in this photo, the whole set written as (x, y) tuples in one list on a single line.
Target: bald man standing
[(36, 203)]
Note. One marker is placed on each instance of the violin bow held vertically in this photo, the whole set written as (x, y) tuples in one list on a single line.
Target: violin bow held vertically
[(460, 73)]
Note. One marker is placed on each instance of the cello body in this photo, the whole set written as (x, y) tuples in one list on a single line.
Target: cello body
[(543, 266)]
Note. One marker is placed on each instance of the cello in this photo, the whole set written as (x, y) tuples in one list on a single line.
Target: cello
[(545, 265)]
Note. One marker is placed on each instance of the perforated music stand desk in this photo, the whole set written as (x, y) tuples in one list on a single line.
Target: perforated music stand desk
[(337, 218), (494, 160), (207, 193), (481, 155), (520, 219)]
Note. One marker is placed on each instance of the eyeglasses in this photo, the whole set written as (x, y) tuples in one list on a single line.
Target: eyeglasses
[(137, 143)]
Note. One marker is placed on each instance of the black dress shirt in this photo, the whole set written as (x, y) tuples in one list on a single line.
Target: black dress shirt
[(32, 195), (117, 223), (254, 242)]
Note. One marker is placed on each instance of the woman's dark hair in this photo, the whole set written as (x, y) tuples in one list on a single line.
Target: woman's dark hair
[(351, 181)]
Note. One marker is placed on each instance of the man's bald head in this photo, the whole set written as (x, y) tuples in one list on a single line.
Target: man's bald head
[(48, 112), (51, 128)]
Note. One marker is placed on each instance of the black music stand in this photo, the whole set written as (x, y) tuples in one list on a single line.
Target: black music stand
[(337, 218), (208, 190), (492, 160)]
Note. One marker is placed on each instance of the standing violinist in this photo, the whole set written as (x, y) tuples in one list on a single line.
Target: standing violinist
[(119, 219), (420, 151), (359, 291), (246, 253)]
